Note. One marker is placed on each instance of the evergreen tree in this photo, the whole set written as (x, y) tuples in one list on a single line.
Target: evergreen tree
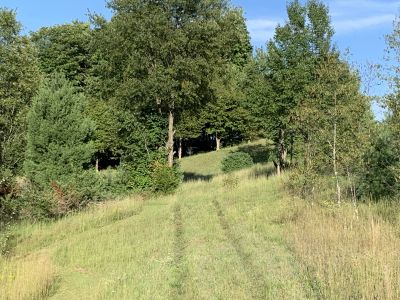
[(59, 135), (380, 177)]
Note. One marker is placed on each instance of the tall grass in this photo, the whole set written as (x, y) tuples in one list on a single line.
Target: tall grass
[(209, 240), (236, 236), (347, 253), (30, 277)]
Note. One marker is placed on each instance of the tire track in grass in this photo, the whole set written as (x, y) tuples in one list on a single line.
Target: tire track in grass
[(180, 269), (255, 276)]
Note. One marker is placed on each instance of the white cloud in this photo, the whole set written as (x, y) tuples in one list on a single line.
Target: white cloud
[(363, 5), (261, 30), (360, 23), (348, 16), (355, 15)]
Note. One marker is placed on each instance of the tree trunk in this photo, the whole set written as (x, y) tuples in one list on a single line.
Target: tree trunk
[(335, 170), (218, 142), (180, 149), (97, 165), (291, 150), (170, 142), (338, 194), (307, 155), (282, 153)]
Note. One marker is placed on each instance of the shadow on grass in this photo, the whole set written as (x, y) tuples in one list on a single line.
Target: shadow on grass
[(265, 171), (259, 153), (189, 176)]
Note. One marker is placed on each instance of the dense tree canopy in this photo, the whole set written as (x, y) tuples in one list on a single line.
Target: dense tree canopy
[(167, 64), (19, 81), (65, 49)]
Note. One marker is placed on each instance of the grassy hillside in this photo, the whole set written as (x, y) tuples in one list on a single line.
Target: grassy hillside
[(206, 165), (216, 238), (219, 237)]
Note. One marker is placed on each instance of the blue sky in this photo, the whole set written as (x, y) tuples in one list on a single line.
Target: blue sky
[(360, 25)]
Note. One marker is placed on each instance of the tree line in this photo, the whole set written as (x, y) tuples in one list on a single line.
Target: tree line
[(130, 94)]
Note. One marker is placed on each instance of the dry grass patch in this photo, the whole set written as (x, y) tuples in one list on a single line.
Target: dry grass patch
[(31, 277), (347, 255)]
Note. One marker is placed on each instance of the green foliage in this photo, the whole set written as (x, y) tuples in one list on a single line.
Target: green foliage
[(19, 81), (380, 176), (59, 142), (65, 49), (287, 69), (140, 139), (109, 125), (59, 135), (310, 100), (260, 153), (164, 179), (9, 209), (236, 161), (227, 116), (336, 121), (169, 62), (381, 171)]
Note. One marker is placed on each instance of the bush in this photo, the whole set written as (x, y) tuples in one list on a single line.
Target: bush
[(164, 179), (380, 178), (59, 198), (236, 161)]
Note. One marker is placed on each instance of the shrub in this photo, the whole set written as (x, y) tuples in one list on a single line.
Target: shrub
[(59, 149), (382, 164), (164, 179), (236, 161), (70, 194)]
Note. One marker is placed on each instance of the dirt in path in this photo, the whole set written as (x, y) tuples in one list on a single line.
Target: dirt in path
[(180, 271)]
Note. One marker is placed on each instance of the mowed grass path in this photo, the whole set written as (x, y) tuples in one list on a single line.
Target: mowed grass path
[(213, 239)]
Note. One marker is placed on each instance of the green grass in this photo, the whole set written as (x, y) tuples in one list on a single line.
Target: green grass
[(236, 236), (216, 239), (208, 164)]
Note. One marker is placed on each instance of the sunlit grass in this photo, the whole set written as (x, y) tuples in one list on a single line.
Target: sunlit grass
[(209, 240), (210, 163), (236, 236), (30, 277), (348, 253)]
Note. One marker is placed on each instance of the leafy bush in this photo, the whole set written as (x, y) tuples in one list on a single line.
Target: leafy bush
[(382, 164), (236, 161), (164, 179), (71, 194)]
